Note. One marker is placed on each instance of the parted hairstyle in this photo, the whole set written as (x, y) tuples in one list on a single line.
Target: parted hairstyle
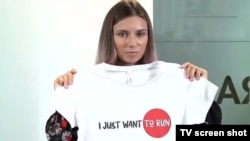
[(106, 48)]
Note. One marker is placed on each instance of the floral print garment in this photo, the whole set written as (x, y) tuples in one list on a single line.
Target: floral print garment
[(59, 129)]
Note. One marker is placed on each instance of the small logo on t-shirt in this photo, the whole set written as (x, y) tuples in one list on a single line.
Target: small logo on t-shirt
[(156, 123)]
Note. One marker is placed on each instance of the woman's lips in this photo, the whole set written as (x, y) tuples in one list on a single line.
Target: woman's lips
[(132, 53)]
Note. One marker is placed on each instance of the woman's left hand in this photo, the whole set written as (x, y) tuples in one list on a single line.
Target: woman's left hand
[(193, 71)]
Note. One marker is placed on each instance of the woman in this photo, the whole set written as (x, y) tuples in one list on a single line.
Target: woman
[(126, 39)]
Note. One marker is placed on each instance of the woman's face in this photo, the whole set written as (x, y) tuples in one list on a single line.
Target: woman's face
[(131, 38)]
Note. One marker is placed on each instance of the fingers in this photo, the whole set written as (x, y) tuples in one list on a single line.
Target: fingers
[(188, 69), (194, 72), (199, 72), (58, 81), (71, 76), (203, 73), (66, 79), (73, 71), (185, 65)]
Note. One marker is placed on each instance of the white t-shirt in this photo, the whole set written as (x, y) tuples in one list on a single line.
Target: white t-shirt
[(133, 103)]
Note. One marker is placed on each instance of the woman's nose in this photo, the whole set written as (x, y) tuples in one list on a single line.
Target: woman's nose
[(132, 41)]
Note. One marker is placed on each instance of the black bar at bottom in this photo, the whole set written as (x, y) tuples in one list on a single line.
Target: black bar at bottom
[(241, 132)]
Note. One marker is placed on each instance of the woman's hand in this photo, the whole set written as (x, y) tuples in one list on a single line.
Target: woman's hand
[(193, 71), (66, 79)]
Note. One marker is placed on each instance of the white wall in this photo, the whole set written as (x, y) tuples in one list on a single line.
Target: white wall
[(40, 39)]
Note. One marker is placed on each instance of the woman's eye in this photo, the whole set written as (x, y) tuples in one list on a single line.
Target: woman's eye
[(122, 34), (140, 34)]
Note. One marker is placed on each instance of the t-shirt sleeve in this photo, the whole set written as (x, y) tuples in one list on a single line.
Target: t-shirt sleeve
[(58, 129), (201, 94), (64, 103)]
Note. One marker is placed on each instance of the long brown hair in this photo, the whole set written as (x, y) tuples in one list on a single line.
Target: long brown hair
[(106, 48)]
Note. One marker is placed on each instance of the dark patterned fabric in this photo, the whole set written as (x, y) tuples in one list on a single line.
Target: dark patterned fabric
[(58, 129)]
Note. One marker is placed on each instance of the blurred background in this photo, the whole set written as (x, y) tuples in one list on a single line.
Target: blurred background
[(213, 34)]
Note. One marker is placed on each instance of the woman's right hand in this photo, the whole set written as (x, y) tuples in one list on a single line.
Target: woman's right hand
[(65, 79)]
